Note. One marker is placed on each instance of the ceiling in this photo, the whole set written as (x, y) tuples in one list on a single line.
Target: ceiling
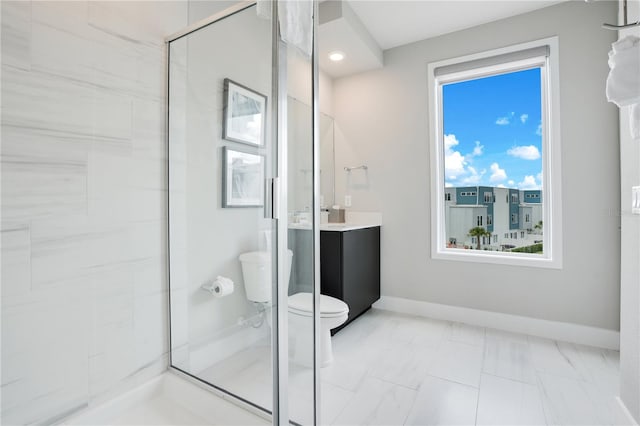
[(363, 29), (393, 23)]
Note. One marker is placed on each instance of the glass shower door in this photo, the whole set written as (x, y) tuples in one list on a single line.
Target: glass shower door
[(234, 189), (222, 151)]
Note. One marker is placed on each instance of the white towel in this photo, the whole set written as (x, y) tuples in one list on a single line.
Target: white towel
[(623, 82), (263, 8), (296, 22)]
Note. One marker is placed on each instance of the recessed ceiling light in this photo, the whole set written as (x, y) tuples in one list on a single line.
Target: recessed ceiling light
[(336, 56)]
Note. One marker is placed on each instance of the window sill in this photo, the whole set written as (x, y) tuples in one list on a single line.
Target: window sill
[(497, 258)]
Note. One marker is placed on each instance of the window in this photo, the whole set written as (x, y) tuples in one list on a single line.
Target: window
[(479, 105), (447, 196), (495, 239)]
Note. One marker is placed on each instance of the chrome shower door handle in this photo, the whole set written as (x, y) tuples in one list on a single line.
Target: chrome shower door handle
[(271, 198)]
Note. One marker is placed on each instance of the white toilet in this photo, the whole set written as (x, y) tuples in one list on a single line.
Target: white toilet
[(256, 270)]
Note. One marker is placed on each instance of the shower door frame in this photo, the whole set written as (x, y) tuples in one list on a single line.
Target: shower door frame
[(279, 335)]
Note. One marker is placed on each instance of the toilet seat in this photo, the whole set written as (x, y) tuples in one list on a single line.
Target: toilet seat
[(330, 307)]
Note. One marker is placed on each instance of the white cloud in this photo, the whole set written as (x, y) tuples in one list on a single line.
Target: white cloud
[(474, 177), (511, 182), (539, 177), (524, 118), (501, 185), (503, 121), (497, 174), (529, 182), (539, 130), (478, 149), (448, 185), (454, 162), (529, 152)]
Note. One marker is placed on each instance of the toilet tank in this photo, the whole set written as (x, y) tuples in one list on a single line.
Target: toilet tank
[(256, 272)]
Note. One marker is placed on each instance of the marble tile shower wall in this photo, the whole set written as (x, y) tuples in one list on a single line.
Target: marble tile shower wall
[(84, 301)]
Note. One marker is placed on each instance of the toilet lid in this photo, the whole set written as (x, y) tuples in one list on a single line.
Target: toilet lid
[(303, 303)]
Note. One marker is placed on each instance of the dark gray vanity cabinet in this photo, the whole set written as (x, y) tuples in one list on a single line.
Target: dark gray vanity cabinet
[(350, 268)]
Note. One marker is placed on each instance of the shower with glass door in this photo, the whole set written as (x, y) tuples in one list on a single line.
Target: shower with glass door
[(242, 109)]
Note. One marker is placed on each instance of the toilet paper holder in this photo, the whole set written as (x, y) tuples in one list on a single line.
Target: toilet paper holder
[(219, 287)]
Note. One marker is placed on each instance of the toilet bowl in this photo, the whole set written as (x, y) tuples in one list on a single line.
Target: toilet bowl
[(256, 271), (333, 313)]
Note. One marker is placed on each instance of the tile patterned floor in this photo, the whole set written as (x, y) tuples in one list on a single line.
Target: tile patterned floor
[(392, 369)]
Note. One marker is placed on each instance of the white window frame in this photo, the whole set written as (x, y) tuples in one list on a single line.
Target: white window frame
[(551, 155)]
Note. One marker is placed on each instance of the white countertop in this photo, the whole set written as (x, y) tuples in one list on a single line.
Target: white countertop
[(355, 220), (337, 227)]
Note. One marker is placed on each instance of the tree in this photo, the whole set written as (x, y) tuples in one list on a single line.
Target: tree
[(538, 226), (479, 232)]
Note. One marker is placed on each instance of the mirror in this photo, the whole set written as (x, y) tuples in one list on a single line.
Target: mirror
[(299, 128)]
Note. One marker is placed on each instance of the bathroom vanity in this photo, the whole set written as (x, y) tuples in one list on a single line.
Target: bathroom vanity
[(350, 266), (349, 262)]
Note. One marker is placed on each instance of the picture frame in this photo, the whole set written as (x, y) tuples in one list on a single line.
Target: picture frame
[(243, 175), (244, 114)]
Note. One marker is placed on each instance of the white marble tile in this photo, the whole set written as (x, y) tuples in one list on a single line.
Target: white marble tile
[(403, 365), (508, 402), (377, 403), (547, 358), (595, 365), (345, 374), (150, 321), (44, 359), (159, 411), (492, 333), (441, 402), (570, 402), (33, 100), (509, 358), (82, 155), (16, 259), (333, 399), (458, 362), (430, 333), (43, 173), (16, 34), (465, 333)]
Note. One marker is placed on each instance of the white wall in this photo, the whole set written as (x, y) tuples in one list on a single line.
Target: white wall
[(630, 265), (84, 302), (381, 121)]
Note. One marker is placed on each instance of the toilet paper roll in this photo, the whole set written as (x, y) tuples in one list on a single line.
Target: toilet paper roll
[(222, 287)]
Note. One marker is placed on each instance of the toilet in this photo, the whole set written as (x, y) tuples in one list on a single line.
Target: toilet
[(256, 270)]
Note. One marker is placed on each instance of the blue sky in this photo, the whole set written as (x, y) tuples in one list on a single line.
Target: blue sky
[(492, 131)]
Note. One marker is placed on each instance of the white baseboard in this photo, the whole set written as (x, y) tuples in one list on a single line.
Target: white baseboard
[(623, 416), (555, 330)]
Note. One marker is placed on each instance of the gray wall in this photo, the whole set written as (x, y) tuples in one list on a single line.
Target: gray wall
[(630, 257), (382, 121)]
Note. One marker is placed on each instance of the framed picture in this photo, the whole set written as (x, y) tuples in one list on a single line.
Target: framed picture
[(244, 113), (242, 179)]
